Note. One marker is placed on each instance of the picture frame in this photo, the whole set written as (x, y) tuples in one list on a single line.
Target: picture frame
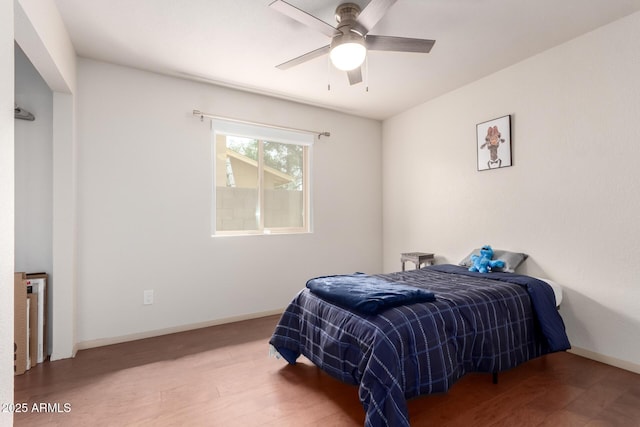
[(494, 143)]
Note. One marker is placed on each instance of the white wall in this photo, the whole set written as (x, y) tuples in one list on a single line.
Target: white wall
[(33, 173), (571, 198), (6, 208), (64, 284), (144, 206), (40, 33)]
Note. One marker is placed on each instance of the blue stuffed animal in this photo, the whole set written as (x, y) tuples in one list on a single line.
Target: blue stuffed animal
[(484, 263)]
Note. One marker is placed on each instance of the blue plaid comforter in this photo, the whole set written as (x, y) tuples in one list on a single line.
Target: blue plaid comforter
[(476, 324)]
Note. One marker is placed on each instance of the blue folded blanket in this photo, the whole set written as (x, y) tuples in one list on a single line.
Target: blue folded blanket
[(366, 294)]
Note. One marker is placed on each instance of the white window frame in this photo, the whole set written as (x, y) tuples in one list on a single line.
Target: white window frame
[(263, 134)]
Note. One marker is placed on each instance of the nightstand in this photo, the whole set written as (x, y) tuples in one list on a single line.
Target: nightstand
[(418, 258)]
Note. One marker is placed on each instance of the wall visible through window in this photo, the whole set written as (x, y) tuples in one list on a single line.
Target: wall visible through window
[(261, 180)]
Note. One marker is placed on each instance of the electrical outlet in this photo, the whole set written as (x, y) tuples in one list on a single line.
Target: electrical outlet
[(148, 297)]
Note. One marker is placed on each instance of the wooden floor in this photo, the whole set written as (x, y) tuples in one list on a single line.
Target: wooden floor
[(223, 376)]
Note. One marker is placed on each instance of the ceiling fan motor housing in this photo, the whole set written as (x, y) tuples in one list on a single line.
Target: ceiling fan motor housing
[(347, 11), (346, 15), (347, 49)]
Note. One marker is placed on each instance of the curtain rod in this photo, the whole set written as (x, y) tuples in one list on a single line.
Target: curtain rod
[(247, 122)]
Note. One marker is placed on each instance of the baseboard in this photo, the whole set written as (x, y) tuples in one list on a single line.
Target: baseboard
[(613, 361), (183, 328)]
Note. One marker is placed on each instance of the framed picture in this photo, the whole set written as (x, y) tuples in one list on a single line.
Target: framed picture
[(494, 143)]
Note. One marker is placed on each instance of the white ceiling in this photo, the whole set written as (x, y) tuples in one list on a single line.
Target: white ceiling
[(237, 43)]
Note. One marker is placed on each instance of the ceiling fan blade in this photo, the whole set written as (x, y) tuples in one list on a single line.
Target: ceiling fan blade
[(304, 58), (303, 17), (398, 44), (374, 11), (355, 76)]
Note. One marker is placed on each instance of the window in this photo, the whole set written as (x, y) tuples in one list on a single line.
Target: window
[(261, 179)]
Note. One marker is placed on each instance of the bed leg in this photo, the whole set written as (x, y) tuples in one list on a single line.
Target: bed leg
[(495, 378)]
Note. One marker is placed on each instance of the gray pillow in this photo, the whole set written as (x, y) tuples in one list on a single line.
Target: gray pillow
[(511, 259)]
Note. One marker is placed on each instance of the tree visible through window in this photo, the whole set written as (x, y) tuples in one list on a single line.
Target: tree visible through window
[(261, 185)]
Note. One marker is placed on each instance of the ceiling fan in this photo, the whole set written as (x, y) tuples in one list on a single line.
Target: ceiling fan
[(350, 39)]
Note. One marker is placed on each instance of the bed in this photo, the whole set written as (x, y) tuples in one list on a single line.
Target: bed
[(475, 323)]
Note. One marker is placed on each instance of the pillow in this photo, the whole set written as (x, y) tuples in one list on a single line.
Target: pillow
[(511, 259)]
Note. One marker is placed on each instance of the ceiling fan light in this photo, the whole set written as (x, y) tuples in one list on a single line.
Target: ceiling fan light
[(348, 56)]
